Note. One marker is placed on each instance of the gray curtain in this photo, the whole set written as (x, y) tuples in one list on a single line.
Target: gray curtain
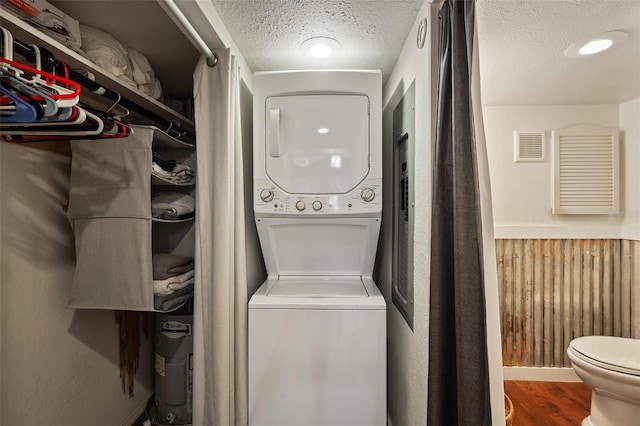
[(458, 389)]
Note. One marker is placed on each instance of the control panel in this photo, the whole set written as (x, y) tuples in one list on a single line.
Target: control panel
[(271, 200)]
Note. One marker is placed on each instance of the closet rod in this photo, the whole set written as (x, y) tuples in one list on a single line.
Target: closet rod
[(212, 59), (28, 52)]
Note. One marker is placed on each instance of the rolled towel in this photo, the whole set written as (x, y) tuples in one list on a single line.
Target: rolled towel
[(167, 265)]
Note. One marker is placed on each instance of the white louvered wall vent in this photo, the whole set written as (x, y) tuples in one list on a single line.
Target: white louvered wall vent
[(528, 147), (586, 170)]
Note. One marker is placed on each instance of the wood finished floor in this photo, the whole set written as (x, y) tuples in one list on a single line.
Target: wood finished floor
[(548, 403)]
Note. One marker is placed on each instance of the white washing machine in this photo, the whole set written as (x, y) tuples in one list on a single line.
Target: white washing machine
[(317, 326)]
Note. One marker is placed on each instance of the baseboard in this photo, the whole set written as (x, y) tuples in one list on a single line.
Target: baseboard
[(540, 374), (135, 414)]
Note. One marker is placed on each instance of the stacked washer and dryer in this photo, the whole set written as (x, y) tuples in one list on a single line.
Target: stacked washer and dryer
[(317, 326)]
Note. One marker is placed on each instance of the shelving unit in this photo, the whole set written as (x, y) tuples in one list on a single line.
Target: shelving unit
[(110, 211), (140, 105), (173, 236)]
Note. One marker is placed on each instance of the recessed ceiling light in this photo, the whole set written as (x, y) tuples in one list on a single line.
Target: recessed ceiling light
[(595, 44), (320, 47)]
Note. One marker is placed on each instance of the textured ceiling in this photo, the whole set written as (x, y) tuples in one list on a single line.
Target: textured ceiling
[(522, 43), (269, 32)]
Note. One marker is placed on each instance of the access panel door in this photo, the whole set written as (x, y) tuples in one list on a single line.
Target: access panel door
[(317, 144)]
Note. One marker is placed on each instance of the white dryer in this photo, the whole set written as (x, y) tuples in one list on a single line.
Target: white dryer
[(317, 326)]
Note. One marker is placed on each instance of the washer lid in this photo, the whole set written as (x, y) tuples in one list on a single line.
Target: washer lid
[(318, 287), (319, 292), (613, 353)]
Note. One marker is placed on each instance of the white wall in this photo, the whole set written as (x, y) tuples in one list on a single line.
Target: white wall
[(630, 127), (407, 354), (522, 191), (59, 366)]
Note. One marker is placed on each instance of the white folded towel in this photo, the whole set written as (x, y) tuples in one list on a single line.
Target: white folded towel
[(171, 205), (168, 286), (181, 173)]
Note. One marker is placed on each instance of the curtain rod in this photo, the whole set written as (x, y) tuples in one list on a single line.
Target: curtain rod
[(212, 60)]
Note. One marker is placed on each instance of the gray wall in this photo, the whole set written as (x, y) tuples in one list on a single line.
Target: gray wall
[(256, 271), (407, 353)]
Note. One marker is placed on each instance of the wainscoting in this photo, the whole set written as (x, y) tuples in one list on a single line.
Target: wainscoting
[(553, 290)]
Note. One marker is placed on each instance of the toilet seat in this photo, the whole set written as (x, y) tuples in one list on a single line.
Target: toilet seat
[(617, 354)]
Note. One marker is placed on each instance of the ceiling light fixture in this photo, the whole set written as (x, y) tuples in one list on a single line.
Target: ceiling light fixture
[(320, 47), (595, 44)]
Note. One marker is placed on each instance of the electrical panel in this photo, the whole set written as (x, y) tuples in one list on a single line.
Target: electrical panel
[(403, 204)]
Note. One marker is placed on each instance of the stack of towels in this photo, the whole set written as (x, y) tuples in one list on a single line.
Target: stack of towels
[(173, 279), (169, 170), (128, 65)]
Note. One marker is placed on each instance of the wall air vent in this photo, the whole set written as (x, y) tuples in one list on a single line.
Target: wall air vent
[(528, 146), (585, 166)]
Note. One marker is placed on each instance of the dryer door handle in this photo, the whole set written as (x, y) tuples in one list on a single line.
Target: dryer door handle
[(273, 133)]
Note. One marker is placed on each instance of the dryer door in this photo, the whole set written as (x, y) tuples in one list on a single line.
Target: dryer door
[(317, 144)]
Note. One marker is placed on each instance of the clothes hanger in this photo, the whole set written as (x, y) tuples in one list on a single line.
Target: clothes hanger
[(52, 115), (92, 126), (7, 43), (65, 92), (120, 130), (24, 112), (54, 85), (67, 117), (50, 105)]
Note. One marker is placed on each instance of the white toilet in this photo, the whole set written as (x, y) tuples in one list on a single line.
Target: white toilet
[(610, 367)]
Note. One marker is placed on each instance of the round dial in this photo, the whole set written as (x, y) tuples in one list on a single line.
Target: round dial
[(300, 205), (368, 194), (317, 205), (266, 195)]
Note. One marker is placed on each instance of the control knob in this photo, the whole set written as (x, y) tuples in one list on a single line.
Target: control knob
[(266, 195), (368, 194), (300, 205), (317, 205)]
